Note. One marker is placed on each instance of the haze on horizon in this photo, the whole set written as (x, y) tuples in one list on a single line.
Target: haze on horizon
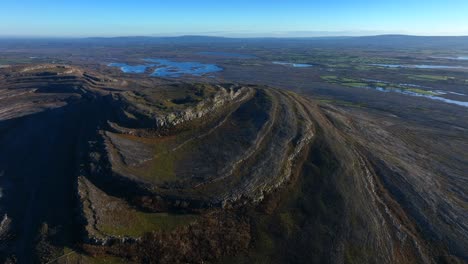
[(241, 18)]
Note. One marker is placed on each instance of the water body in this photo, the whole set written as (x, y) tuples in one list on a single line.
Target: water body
[(295, 65), (128, 68), (432, 97), (452, 58), (168, 68), (410, 85), (226, 54), (457, 93), (419, 66), (403, 91)]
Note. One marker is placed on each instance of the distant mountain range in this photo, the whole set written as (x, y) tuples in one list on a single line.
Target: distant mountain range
[(379, 40), (200, 38)]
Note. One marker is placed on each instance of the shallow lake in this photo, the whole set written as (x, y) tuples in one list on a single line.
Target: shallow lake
[(129, 68), (226, 54), (452, 58), (295, 65), (432, 97), (168, 68), (419, 66)]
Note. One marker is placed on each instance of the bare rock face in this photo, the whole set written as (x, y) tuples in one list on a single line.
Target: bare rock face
[(222, 97), (214, 172), (247, 126), (33, 89)]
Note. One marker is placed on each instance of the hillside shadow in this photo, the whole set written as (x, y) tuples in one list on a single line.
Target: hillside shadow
[(39, 161)]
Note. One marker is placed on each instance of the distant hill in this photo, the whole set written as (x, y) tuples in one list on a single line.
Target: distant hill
[(406, 40), (365, 41)]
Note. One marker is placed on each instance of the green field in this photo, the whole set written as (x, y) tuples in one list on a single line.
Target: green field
[(425, 77)]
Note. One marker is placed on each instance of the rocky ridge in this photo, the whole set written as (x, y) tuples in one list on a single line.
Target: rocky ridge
[(217, 171)]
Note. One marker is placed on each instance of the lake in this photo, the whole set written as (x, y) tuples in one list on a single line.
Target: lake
[(452, 58), (295, 65), (128, 68), (432, 97), (419, 66), (168, 68)]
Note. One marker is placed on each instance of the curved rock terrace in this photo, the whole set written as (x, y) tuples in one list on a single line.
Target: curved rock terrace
[(202, 172)]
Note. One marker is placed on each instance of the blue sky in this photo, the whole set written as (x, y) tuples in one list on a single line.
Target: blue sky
[(232, 18)]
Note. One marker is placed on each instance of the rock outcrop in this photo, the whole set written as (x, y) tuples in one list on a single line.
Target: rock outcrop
[(215, 172)]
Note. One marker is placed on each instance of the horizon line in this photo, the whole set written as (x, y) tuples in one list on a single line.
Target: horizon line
[(222, 36)]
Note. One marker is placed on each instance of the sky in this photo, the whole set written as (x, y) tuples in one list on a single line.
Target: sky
[(238, 18)]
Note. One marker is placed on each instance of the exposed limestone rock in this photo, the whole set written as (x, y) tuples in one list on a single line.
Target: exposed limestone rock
[(218, 171)]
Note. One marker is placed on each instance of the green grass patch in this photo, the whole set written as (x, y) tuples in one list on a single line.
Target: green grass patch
[(342, 103), (349, 82), (362, 68), (288, 222), (329, 77), (343, 81), (142, 223), (339, 65), (74, 257), (264, 242), (425, 77), (356, 84), (106, 260), (420, 91), (71, 256), (162, 167)]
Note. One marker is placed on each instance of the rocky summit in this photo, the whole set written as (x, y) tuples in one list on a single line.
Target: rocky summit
[(117, 170)]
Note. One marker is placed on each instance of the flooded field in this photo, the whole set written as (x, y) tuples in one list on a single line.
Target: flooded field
[(419, 66), (435, 95), (452, 58), (401, 88)]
